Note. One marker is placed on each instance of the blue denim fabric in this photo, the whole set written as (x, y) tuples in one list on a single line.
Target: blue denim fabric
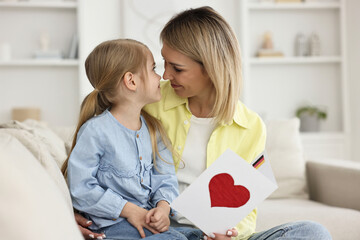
[(112, 165), (304, 230), (125, 231)]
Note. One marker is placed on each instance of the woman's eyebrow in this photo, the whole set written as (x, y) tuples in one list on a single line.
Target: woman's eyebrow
[(175, 64)]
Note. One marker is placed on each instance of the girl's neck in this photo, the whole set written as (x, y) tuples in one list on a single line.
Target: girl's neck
[(128, 115)]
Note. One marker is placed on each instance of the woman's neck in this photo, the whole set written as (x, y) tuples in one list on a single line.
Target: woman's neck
[(201, 106), (128, 115)]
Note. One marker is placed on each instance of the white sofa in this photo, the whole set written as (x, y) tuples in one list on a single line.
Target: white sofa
[(35, 203)]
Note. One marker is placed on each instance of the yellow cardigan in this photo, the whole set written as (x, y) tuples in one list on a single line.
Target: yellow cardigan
[(246, 136)]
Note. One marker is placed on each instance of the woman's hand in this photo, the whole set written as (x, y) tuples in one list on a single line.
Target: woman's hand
[(83, 223), (230, 233), (158, 217), (136, 216)]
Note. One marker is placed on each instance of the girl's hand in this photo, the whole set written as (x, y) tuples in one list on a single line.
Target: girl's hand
[(83, 223), (230, 233), (136, 216), (158, 217)]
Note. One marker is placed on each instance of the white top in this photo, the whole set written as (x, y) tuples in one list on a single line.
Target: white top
[(194, 154)]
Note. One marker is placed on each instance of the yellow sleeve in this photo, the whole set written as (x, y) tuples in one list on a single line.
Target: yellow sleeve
[(247, 226)]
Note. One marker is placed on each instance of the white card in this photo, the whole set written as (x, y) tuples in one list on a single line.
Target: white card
[(224, 194)]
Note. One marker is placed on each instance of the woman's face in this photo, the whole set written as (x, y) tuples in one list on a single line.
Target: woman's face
[(188, 78)]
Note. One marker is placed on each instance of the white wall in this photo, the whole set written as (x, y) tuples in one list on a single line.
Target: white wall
[(353, 33), (143, 19), (99, 21)]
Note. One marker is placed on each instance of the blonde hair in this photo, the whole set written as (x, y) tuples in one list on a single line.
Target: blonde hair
[(203, 35), (105, 68)]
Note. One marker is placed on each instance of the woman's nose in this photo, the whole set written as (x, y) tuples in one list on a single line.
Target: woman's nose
[(166, 74)]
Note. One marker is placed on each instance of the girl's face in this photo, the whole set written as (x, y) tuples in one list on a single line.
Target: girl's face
[(152, 81), (188, 77)]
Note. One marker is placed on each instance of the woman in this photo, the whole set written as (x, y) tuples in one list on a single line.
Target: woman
[(201, 112)]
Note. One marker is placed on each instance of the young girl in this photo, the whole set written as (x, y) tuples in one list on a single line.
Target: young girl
[(120, 173)]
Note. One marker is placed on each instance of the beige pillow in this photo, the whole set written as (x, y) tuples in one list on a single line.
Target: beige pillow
[(41, 142), (285, 152), (32, 206)]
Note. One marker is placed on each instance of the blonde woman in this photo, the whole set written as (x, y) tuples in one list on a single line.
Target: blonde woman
[(121, 176), (202, 115)]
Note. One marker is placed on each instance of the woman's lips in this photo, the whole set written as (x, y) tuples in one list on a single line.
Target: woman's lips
[(175, 85)]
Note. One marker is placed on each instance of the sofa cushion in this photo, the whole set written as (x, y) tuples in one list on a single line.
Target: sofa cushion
[(41, 132), (284, 149), (41, 142), (32, 206), (342, 223)]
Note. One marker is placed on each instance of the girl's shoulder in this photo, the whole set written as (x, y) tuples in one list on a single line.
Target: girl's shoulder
[(95, 124)]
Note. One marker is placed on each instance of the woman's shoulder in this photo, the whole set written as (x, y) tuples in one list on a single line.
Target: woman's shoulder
[(248, 117)]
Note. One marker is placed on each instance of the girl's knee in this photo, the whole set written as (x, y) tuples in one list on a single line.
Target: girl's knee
[(315, 229)]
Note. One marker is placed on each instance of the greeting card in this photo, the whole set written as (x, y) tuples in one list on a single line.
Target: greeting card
[(226, 192)]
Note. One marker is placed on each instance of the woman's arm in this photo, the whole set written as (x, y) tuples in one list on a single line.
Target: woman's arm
[(83, 225)]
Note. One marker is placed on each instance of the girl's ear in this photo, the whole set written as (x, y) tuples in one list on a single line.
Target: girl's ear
[(129, 81)]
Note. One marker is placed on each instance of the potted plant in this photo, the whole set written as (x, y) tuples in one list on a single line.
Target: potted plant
[(310, 117)]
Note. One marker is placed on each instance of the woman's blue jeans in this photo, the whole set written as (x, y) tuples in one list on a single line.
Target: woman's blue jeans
[(294, 231), (125, 231)]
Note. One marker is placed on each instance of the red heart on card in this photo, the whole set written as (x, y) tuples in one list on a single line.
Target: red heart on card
[(223, 192)]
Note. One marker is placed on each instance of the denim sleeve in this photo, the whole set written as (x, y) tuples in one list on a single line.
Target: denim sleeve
[(86, 193), (164, 181)]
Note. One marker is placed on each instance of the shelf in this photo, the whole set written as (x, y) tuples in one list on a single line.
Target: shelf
[(294, 60), (322, 135), (40, 63), (40, 4), (294, 6)]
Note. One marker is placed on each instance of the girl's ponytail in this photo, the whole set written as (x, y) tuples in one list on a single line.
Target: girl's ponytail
[(89, 108)]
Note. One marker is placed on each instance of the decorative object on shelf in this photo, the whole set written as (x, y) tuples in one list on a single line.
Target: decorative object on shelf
[(310, 117), (301, 45), (73, 50), (5, 52), (267, 48), (314, 45), (45, 52), (23, 113)]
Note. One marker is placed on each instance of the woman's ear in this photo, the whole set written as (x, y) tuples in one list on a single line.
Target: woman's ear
[(129, 81)]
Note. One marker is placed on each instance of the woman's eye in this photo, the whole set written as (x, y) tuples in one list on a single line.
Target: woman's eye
[(154, 69), (177, 69)]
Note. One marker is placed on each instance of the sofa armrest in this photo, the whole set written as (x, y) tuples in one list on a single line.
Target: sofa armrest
[(334, 182)]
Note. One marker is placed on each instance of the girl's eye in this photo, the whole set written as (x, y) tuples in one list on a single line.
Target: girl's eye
[(154, 69)]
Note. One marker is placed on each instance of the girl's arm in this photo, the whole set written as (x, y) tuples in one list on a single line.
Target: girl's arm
[(163, 180), (86, 193)]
